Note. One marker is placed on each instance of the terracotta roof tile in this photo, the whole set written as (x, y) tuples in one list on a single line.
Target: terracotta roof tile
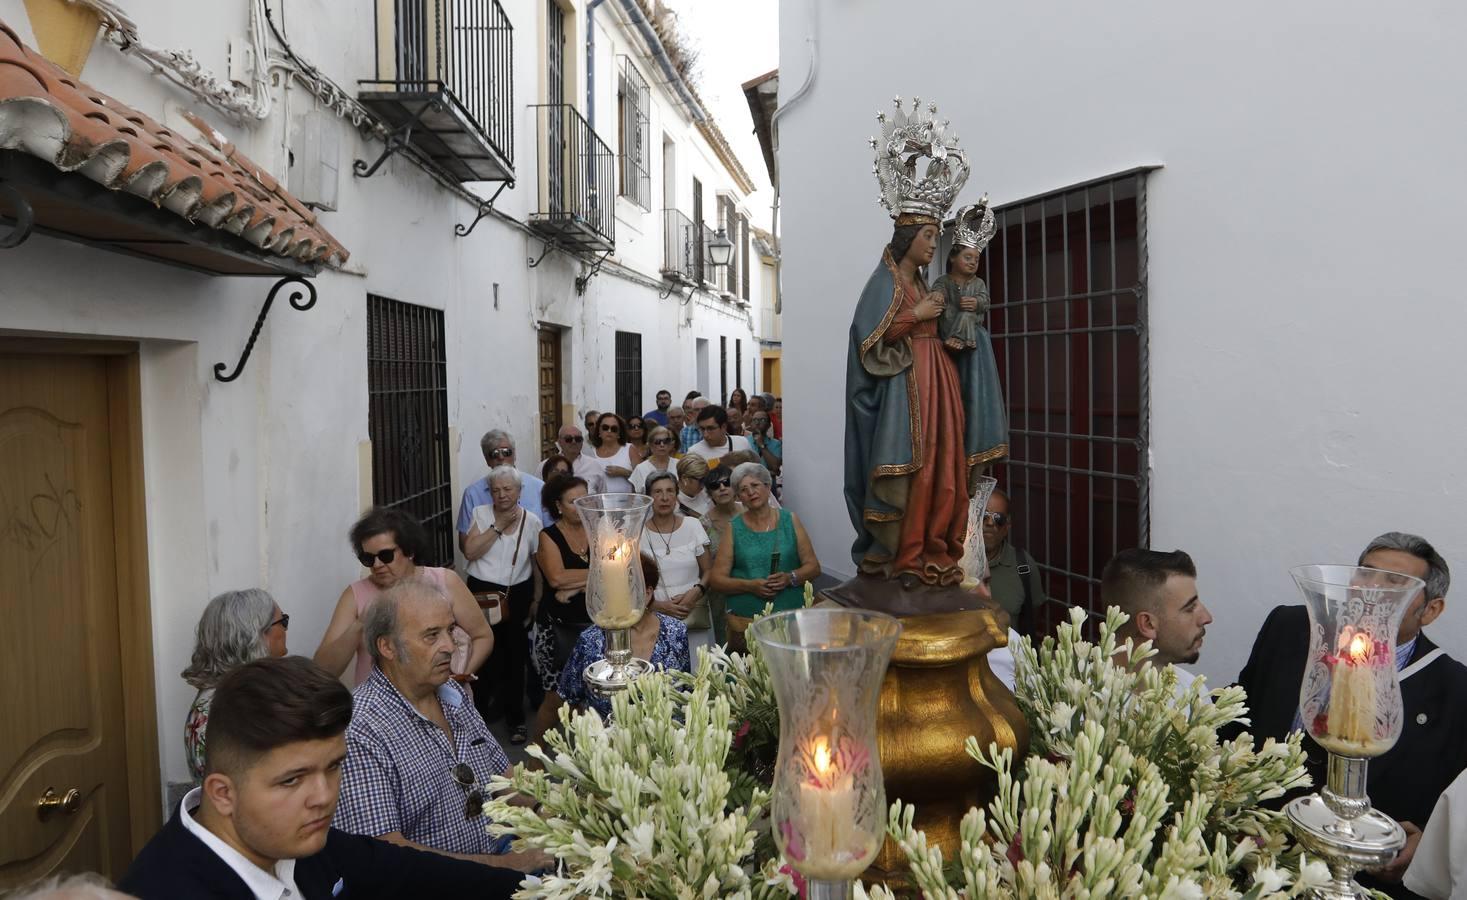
[(48, 114)]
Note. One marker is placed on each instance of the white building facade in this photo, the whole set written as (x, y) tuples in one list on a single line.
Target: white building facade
[(1224, 311), (424, 338)]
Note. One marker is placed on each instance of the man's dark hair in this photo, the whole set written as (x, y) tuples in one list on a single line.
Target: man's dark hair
[(650, 572), (692, 395), (269, 703), (554, 489), (664, 391), (715, 412), (1132, 580), (412, 538)]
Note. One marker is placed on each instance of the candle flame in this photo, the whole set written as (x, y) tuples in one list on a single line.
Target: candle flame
[(821, 756), (1360, 646)]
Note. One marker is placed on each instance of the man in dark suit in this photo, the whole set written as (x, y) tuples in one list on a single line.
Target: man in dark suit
[(260, 826), (1405, 782)]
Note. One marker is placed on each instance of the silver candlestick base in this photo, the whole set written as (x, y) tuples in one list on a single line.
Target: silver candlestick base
[(619, 669), (828, 890), (1339, 826)]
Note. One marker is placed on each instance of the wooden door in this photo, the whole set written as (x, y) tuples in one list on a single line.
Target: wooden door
[(549, 388), (60, 647)]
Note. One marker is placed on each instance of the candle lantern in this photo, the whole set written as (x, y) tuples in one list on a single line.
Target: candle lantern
[(828, 802), (975, 553), (616, 591), (1350, 703)]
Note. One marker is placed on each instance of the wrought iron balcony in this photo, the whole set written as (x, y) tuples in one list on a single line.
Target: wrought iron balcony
[(576, 171), (680, 247), (445, 83)]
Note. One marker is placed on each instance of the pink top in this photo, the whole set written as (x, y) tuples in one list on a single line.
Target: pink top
[(365, 591)]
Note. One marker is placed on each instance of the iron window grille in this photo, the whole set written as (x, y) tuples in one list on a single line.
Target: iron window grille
[(743, 245), (679, 246), (407, 420), (723, 368), (1067, 276), (577, 178), (634, 103), (738, 362), (628, 374)]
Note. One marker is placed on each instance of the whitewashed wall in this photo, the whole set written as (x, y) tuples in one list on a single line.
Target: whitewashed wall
[(1306, 317), (254, 483)]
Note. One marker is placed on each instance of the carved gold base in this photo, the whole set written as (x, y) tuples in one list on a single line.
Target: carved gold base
[(937, 692)]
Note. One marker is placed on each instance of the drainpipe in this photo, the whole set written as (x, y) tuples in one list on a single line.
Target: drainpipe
[(591, 60), (633, 10), (814, 41)]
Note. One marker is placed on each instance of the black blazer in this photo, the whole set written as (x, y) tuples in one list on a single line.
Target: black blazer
[(175, 864), (1405, 782)]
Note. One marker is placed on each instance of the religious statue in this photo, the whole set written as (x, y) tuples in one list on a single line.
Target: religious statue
[(961, 326), (923, 418)]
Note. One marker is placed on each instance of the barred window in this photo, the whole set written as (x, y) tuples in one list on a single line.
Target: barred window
[(633, 101), (628, 374)]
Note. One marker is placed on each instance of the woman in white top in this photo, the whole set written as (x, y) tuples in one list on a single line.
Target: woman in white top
[(679, 545), (661, 442), (500, 548), (613, 454), (692, 499)]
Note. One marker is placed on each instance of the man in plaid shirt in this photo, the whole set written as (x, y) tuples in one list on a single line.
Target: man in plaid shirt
[(418, 753), (691, 433)]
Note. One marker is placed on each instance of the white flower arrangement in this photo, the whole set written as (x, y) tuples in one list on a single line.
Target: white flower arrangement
[(1127, 791)]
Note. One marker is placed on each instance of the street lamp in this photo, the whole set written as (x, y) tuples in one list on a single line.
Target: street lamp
[(720, 249)]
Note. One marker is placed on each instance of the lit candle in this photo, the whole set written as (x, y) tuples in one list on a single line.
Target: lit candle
[(1350, 724), (834, 847), (615, 589)]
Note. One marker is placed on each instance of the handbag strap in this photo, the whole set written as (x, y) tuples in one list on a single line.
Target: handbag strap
[(519, 539)]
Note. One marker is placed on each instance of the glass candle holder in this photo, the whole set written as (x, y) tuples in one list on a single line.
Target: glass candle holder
[(828, 802), (975, 553), (616, 591), (1350, 703)]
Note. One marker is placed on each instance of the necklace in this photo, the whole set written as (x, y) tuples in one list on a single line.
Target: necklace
[(666, 537), (585, 553)]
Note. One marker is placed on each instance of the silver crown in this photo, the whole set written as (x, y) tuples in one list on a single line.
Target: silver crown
[(906, 138), (975, 225)]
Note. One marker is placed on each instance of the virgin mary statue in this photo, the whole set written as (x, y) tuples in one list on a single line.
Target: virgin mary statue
[(922, 419)]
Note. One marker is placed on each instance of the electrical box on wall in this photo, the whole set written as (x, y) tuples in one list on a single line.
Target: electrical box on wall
[(315, 160)]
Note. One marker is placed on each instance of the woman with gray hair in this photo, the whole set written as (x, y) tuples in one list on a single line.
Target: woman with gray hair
[(764, 555), (237, 627), (501, 548)]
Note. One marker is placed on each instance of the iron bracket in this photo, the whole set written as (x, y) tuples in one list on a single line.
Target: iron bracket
[(396, 142), (295, 297), (536, 260), (582, 281), (25, 217), (484, 207)]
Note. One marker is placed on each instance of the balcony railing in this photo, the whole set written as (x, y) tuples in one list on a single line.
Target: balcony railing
[(576, 171), (445, 82), (679, 246)]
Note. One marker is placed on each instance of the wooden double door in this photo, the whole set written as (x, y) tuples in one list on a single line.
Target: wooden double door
[(78, 756)]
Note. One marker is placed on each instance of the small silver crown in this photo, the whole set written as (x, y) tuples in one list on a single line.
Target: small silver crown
[(906, 138), (975, 225)]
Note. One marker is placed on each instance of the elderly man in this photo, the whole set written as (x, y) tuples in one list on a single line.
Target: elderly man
[(690, 434), (260, 825), (570, 442), (1405, 781), (676, 421), (498, 449), (769, 447), (717, 442), (1014, 576), (664, 403), (417, 753)]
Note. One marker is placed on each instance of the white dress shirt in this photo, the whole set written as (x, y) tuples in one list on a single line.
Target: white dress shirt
[(279, 885)]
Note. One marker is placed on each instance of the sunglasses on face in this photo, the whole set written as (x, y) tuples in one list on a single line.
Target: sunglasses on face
[(463, 776), (636, 425), (501, 453), (609, 427), (998, 519), (283, 622), (662, 440), (572, 440), (385, 557), (718, 483)]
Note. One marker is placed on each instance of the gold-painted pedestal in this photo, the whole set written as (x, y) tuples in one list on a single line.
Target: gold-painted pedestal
[(937, 692)]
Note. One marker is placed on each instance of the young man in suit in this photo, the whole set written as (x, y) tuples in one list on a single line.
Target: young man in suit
[(260, 826), (1404, 782)]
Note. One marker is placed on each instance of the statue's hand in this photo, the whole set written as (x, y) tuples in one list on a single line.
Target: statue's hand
[(929, 307), (968, 304)]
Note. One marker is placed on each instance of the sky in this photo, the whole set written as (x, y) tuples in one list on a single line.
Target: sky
[(736, 40)]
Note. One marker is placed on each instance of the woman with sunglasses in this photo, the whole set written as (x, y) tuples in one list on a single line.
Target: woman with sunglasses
[(237, 627), (725, 507), (613, 454), (764, 555), (554, 465), (637, 437), (388, 542), (660, 443)]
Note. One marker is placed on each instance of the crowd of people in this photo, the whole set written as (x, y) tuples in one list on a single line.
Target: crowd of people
[(307, 787)]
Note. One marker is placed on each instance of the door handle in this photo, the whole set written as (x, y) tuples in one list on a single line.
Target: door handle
[(52, 802)]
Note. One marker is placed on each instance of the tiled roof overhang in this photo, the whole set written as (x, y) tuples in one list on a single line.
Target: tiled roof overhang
[(46, 114)]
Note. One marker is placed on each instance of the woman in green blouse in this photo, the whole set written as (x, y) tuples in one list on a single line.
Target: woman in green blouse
[(764, 555)]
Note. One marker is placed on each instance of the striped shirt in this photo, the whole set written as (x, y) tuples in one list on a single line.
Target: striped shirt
[(398, 771)]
